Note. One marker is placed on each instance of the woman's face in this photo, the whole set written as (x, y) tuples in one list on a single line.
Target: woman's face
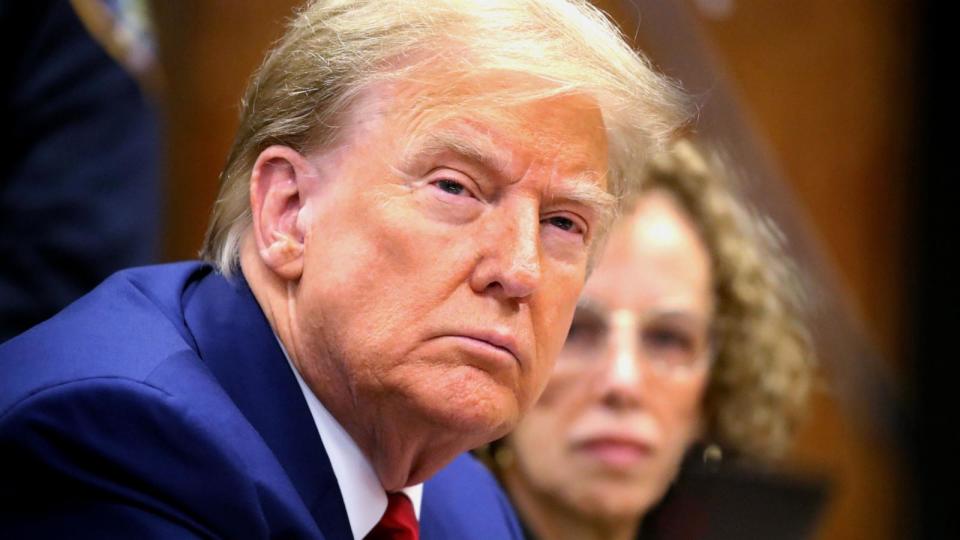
[(624, 403)]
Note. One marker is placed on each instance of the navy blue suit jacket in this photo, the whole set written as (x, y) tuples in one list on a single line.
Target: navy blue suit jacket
[(161, 406)]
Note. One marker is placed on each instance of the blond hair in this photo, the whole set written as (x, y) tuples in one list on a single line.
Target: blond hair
[(763, 358), (334, 49)]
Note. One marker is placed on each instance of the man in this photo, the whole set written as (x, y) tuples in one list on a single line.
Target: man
[(405, 222)]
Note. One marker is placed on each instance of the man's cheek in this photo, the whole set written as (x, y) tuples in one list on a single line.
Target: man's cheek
[(539, 384), (554, 322), (403, 241)]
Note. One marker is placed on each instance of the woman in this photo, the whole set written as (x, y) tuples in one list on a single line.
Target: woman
[(687, 331)]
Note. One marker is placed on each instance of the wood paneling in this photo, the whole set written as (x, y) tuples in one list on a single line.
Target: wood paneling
[(208, 51), (828, 84)]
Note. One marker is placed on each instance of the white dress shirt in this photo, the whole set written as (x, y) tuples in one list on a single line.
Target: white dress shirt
[(363, 496)]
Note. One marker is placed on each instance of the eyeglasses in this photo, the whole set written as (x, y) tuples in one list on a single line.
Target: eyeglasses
[(673, 343)]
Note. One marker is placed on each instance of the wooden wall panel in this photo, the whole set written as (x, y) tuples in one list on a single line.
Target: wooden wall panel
[(829, 87), (828, 83), (208, 50)]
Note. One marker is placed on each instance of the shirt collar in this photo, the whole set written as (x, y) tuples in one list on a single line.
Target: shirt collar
[(363, 496)]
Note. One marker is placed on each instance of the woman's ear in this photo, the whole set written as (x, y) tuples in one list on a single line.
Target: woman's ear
[(710, 453), (277, 187)]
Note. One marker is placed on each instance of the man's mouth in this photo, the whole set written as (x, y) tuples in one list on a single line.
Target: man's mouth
[(498, 346)]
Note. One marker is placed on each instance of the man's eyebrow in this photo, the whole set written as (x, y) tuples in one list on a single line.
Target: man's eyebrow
[(479, 147), (475, 146), (584, 190)]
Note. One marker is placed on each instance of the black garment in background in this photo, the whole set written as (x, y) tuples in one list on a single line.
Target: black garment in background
[(731, 501), (79, 181)]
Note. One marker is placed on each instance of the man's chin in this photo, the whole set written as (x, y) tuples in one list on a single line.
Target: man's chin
[(475, 407)]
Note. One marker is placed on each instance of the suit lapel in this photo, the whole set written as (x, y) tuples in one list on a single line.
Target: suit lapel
[(238, 345)]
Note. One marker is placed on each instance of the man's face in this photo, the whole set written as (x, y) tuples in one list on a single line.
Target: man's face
[(443, 260)]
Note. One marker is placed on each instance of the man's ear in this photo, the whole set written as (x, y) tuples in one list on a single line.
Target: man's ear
[(277, 187)]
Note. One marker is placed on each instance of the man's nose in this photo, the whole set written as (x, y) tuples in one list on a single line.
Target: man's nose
[(622, 377), (510, 264)]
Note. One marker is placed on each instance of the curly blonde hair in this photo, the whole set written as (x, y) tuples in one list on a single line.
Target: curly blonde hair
[(763, 359)]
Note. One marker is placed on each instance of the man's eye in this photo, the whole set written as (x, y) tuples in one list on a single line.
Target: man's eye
[(450, 186), (563, 223)]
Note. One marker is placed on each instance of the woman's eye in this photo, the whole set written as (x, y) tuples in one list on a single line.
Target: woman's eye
[(578, 331), (584, 333), (662, 339), (586, 329), (451, 186)]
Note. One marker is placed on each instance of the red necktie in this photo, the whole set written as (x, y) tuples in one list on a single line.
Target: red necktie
[(398, 522)]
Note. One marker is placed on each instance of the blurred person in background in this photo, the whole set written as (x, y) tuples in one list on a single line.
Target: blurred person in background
[(688, 331), (79, 174)]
